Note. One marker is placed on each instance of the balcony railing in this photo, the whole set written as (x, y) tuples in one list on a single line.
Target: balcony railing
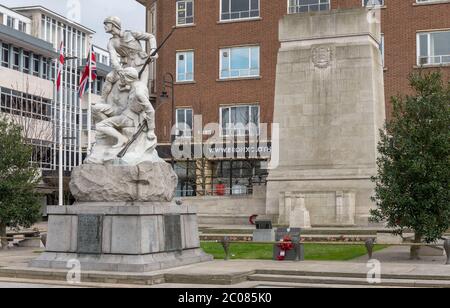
[(434, 60), (305, 8)]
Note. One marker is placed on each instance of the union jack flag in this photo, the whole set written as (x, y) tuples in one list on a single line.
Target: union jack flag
[(91, 66)]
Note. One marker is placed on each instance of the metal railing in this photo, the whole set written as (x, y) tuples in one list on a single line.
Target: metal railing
[(434, 60), (242, 190), (305, 8), (239, 15)]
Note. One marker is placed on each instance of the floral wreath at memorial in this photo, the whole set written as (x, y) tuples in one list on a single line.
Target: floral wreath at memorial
[(285, 246)]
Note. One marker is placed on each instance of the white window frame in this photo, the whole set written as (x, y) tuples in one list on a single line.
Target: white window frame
[(12, 19), (430, 57), (308, 5), (241, 18), (189, 131), (429, 1), (22, 26), (229, 61), (184, 53), (193, 13), (383, 50), (239, 134), (373, 5)]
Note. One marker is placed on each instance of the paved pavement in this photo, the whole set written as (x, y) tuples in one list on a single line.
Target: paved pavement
[(394, 261), (19, 258), (400, 255), (14, 285)]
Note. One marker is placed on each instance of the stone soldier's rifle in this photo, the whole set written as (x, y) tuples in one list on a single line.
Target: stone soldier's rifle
[(150, 58), (144, 123), (141, 129)]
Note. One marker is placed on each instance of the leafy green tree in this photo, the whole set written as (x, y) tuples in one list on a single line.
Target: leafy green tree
[(412, 186), (19, 201)]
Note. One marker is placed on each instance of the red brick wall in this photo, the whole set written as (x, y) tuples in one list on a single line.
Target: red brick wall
[(400, 22)]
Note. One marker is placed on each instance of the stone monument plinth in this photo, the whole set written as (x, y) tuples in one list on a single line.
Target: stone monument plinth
[(129, 225), (329, 103)]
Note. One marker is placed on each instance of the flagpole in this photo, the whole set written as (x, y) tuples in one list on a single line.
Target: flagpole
[(89, 111), (59, 94)]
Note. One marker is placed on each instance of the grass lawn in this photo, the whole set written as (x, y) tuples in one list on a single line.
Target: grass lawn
[(313, 252)]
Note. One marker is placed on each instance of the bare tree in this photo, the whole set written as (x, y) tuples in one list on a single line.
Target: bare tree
[(33, 114)]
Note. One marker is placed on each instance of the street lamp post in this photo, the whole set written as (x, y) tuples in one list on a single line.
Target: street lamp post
[(169, 82)]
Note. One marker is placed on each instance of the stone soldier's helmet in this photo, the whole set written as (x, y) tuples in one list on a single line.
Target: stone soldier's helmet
[(114, 21)]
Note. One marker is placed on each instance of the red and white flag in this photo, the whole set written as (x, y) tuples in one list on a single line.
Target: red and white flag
[(60, 66)]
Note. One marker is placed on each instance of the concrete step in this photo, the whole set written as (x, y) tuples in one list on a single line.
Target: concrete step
[(58, 284), (87, 277), (350, 275), (336, 281), (270, 284)]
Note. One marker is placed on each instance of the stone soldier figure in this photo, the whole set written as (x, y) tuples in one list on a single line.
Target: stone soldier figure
[(139, 109), (125, 51)]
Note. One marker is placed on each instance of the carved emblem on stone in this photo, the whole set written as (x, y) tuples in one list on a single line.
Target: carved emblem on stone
[(321, 56)]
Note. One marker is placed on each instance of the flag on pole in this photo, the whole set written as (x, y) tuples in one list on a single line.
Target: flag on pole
[(91, 66), (60, 66)]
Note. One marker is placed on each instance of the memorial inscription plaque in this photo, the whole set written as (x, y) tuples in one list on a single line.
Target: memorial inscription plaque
[(172, 231), (90, 228)]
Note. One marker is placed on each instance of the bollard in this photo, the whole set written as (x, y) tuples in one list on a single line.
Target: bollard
[(226, 247), (369, 246), (300, 252), (447, 250), (44, 239)]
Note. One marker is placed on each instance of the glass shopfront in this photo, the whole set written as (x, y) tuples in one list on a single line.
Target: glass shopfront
[(219, 177)]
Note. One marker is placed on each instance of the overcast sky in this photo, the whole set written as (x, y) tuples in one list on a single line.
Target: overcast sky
[(93, 12)]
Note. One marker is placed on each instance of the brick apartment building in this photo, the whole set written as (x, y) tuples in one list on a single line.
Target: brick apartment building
[(223, 58)]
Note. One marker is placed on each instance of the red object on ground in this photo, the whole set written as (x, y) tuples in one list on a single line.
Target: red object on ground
[(220, 189), (285, 246)]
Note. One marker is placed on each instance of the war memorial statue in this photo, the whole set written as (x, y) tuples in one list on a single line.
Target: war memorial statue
[(124, 218)]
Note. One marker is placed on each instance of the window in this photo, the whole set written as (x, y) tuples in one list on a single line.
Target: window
[(10, 22), (22, 26), (26, 62), (44, 68), (185, 12), (372, 3), (18, 103), (187, 179), (428, 1), (382, 49), (239, 9), (5, 55), (16, 58), (185, 66), (240, 120), (184, 122), (433, 48), (36, 64), (303, 6), (239, 62)]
